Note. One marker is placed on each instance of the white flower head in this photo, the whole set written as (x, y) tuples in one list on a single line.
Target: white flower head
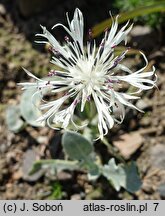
[(89, 74)]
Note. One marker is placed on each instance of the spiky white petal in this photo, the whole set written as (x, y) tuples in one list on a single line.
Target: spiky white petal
[(89, 74)]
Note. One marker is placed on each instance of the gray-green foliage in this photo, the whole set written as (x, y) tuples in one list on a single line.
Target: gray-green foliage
[(79, 148), (54, 165), (115, 174), (133, 182), (76, 146), (26, 110), (122, 176), (13, 119), (81, 152), (29, 110)]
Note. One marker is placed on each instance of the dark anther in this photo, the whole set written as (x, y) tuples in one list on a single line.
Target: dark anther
[(88, 98), (56, 53), (90, 34), (75, 102), (90, 40), (52, 73), (113, 46), (48, 82), (66, 38)]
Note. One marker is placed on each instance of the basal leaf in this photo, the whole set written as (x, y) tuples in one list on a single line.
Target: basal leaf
[(122, 176), (115, 174), (57, 165), (29, 111), (133, 182), (13, 119), (76, 146)]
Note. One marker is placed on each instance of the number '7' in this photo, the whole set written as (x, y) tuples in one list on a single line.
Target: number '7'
[(156, 205)]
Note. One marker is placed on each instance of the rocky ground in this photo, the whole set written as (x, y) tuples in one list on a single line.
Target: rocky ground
[(141, 137)]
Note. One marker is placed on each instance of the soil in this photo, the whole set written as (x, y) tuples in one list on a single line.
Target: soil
[(18, 50)]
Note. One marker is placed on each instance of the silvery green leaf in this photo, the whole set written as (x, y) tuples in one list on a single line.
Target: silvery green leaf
[(57, 165), (93, 171), (115, 174), (29, 111), (122, 176), (76, 146), (13, 119), (133, 182)]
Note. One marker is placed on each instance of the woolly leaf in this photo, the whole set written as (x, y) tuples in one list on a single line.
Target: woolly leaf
[(76, 146), (115, 174), (57, 165), (13, 119), (122, 176), (29, 110), (133, 182)]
